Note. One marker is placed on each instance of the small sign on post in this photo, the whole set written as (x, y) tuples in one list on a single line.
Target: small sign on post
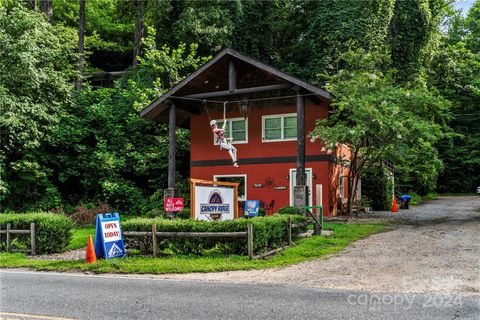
[(252, 208), (173, 204), (108, 236)]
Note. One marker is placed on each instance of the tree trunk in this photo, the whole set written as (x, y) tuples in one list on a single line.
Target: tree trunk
[(81, 44), (33, 3), (139, 7), (46, 7)]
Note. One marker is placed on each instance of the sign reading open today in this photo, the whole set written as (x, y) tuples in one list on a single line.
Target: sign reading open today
[(108, 237)]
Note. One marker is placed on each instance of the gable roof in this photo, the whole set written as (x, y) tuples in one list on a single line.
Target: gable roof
[(159, 106)]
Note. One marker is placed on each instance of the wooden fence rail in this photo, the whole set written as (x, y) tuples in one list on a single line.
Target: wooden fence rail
[(155, 235), (248, 235), (9, 233)]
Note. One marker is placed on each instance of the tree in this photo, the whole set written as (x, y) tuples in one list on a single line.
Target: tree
[(81, 44), (412, 34), (376, 119), (103, 150), (139, 8), (46, 6), (36, 62), (455, 72)]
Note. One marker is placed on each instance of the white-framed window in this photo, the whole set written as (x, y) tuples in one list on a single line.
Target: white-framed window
[(240, 178), (279, 127), (341, 188), (236, 130)]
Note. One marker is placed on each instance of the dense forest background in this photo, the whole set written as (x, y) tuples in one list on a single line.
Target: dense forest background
[(74, 74)]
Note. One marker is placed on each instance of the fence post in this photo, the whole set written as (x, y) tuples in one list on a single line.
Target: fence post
[(289, 231), (32, 238), (250, 240), (154, 239), (317, 226), (8, 237)]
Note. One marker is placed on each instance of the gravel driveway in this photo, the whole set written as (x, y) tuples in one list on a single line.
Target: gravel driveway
[(436, 248)]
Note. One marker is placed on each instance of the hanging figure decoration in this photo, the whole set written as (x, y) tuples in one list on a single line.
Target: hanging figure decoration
[(223, 142)]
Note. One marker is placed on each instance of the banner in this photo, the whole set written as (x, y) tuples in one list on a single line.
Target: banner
[(108, 236), (214, 203)]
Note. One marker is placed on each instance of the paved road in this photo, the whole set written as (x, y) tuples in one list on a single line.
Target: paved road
[(36, 295)]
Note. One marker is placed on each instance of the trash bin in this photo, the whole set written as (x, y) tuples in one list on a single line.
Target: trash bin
[(404, 201)]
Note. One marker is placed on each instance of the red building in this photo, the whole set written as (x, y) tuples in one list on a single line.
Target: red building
[(269, 117)]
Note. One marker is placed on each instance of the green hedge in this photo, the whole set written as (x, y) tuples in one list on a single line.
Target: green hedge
[(290, 210), (53, 231), (269, 232)]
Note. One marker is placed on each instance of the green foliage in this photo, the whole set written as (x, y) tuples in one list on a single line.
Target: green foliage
[(269, 232), (377, 186), (35, 66), (379, 120), (53, 231), (290, 210), (456, 73), (184, 214), (106, 151), (412, 35)]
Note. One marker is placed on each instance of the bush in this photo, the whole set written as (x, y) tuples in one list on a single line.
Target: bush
[(184, 214), (53, 231), (290, 210), (269, 232), (377, 186), (86, 214)]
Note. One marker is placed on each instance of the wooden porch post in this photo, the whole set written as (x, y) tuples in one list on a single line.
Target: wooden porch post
[(300, 192), (172, 149), (300, 140)]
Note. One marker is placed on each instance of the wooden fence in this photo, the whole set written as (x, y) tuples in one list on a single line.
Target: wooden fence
[(248, 235), (9, 232)]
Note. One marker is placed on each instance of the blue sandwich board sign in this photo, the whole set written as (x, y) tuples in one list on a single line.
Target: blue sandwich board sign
[(252, 207), (108, 236)]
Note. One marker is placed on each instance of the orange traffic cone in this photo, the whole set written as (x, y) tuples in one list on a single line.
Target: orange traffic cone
[(90, 257), (394, 205)]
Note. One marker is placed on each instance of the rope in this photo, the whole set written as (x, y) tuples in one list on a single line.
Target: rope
[(206, 109), (224, 113)]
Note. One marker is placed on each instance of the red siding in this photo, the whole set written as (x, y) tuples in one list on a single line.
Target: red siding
[(202, 148)]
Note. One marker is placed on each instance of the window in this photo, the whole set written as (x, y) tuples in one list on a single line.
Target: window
[(280, 127), (242, 187), (236, 130)]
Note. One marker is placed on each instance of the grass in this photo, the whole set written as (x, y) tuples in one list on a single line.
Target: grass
[(305, 249), (79, 238)]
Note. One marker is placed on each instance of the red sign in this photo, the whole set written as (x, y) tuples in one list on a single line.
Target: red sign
[(173, 204)]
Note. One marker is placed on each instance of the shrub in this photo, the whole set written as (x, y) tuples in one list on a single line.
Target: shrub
[(184, 214), (53, 231), (85, 214), (269, 232), (289, 210)]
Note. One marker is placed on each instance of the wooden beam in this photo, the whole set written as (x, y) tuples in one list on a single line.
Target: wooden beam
[(227, 93), (172, 146), (300, 139), (232, 76)]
